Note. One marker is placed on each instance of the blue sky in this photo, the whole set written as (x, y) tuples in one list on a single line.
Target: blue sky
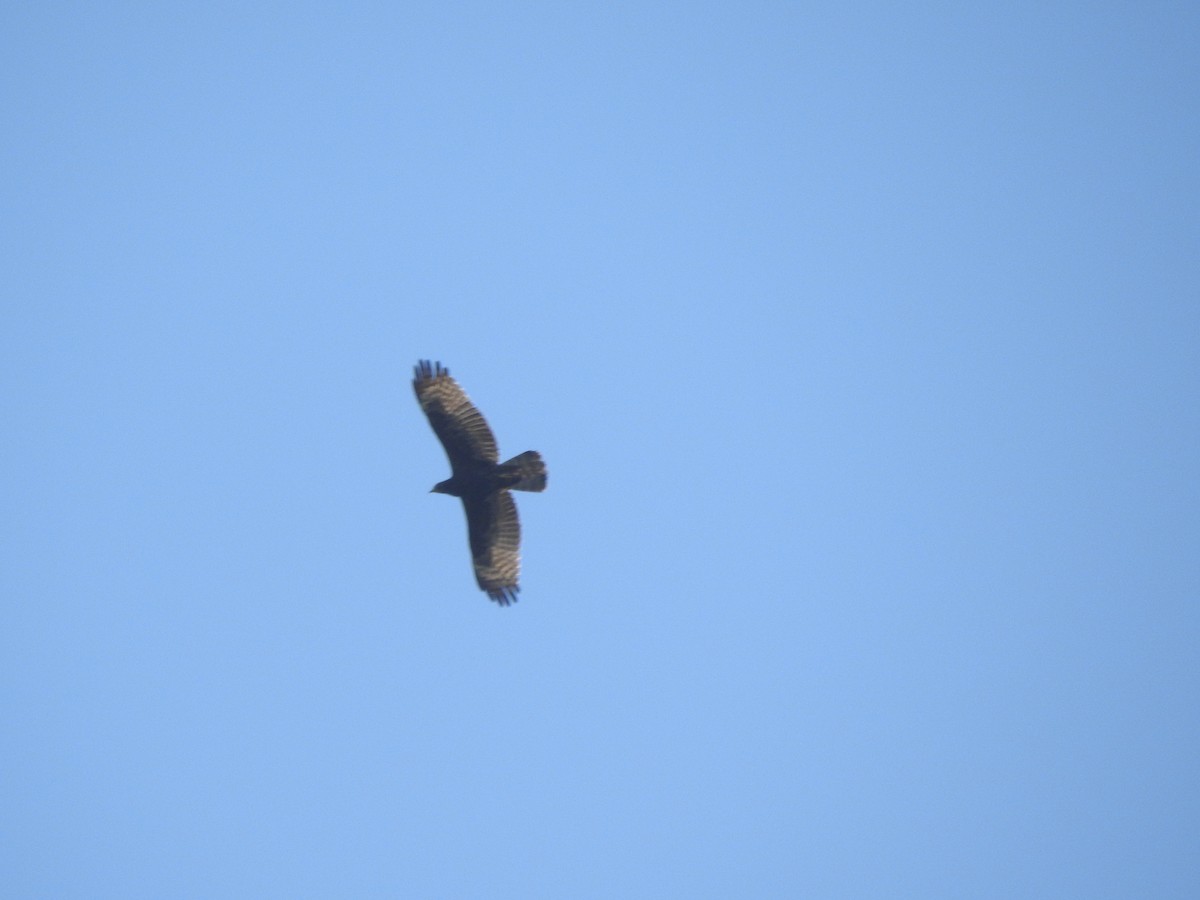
[(860, 341)]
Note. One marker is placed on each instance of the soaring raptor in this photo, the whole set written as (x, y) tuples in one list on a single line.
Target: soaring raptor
[(479, 479)]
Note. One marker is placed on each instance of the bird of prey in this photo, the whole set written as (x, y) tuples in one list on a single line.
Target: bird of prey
[(479, 480)]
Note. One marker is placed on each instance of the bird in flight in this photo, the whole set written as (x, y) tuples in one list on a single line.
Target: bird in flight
[(479, 479)]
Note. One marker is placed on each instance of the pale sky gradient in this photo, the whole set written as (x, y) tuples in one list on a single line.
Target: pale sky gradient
[(862, 341)]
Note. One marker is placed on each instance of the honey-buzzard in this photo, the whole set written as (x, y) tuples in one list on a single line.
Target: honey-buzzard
[(482, 483)]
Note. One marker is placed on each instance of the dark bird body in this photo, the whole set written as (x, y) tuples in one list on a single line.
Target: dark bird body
[(479, 479)]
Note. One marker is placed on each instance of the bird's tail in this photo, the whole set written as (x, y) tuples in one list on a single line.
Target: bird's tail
[(529, 469)]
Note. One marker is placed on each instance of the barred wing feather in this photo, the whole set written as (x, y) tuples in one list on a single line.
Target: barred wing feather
[(458, 424)]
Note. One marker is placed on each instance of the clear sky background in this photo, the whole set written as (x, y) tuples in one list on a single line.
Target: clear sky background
[(862, 341)]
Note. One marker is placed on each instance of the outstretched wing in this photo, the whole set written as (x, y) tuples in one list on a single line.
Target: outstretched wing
[(455, 420), (495, 535)]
